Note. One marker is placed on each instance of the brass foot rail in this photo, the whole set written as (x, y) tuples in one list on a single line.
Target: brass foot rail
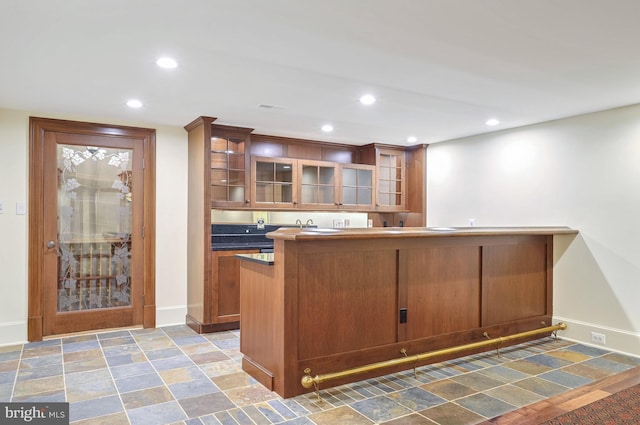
[(308, 381)]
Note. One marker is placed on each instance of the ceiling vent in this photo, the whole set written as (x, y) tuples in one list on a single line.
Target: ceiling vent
[(265, 106)]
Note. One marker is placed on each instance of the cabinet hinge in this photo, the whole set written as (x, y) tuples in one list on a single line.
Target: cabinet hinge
[(144, 164), (142, 232)]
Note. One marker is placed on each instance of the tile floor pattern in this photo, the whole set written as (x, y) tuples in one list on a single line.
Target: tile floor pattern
[(172, 375)]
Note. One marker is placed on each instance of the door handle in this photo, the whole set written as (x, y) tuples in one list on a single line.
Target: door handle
[(51, 244)]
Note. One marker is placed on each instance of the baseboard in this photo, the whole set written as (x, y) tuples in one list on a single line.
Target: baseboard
[(172, 315), (13, 333), (617, 340)]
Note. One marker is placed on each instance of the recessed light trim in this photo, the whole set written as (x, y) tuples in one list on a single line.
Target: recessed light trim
[(492, 121), (134, 103), (167, 63), (327, 128), (367, 99), (412, 139)]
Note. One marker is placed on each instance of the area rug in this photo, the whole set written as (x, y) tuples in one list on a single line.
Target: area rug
[(622, 407)]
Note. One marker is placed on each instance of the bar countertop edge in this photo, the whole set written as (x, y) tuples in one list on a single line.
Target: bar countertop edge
[(414, 232)]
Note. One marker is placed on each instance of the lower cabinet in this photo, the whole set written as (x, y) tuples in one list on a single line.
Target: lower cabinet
[(214, 305), (225, 282)]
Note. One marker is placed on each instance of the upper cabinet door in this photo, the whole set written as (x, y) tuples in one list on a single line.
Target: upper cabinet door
[(317, 185), (274, 183), (391, 168), (229, 168), (357, 187)]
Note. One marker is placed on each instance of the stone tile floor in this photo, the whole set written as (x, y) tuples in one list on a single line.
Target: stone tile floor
[(172, 375)]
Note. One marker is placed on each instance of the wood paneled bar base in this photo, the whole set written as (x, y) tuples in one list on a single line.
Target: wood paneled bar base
[(335, 299)]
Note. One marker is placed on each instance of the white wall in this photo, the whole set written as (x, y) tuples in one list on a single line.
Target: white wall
[(14, 154), (171, 216), (583, 172)]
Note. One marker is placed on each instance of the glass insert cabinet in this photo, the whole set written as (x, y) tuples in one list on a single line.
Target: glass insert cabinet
[(273, 182), (241, 179), (229, 167), (391, 179), (357, 183), (317, 184)]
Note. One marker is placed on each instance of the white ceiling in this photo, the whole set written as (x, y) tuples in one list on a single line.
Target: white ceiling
[(438, 68)]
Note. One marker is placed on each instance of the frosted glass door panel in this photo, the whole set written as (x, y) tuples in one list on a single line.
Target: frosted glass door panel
[(95, 192)]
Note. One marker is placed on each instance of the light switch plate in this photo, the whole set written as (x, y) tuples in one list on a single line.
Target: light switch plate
[(20, 208), (1, 208)]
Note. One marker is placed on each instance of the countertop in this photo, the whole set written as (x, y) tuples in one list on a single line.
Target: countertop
[(414, 232), (238, 246)]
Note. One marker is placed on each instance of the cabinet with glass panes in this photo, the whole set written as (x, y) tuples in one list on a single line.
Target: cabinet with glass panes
[(391, 179), (317, 185), (229, 171), (357, 188), (273, 182)]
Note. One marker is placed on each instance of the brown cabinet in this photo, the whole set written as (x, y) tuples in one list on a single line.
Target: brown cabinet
[(274, 183), (357, 187), (400, 184), (229, 170), (217, 178), (391, 175), (225, 278), (317, 185)]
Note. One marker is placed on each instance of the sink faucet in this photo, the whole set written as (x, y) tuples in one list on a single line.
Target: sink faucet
[(309, 222), (299, 222)]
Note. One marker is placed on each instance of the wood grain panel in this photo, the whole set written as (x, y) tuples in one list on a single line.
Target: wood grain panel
[(197, 272), (306, 151), (225, 277), (261, 307), (514, 281), (344, 303), (443, 290)]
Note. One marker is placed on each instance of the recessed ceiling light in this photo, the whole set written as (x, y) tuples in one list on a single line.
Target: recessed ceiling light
[(492, 122), (166, 62), (327, 128), (412, 139), (134, 103), (367, 99)]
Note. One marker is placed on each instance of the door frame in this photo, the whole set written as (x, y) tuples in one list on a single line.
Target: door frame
[(37, 128)]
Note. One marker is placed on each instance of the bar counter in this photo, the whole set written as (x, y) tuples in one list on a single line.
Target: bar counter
[(413, 232), (339, 299)]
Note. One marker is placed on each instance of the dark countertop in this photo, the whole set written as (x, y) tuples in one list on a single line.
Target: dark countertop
[(232, 246), (266, 259)]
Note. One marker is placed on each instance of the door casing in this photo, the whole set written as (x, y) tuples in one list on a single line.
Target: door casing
[(38, 127)]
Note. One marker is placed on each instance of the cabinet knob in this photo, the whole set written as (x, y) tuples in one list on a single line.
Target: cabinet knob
[(247, 201)]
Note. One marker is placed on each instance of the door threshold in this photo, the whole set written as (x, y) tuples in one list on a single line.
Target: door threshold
[(92, 332)]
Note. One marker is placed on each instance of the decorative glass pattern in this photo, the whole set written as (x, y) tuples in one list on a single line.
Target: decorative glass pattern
[(94, 227)]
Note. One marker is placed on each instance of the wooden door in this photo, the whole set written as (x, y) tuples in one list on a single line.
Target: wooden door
[(88, 217)]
